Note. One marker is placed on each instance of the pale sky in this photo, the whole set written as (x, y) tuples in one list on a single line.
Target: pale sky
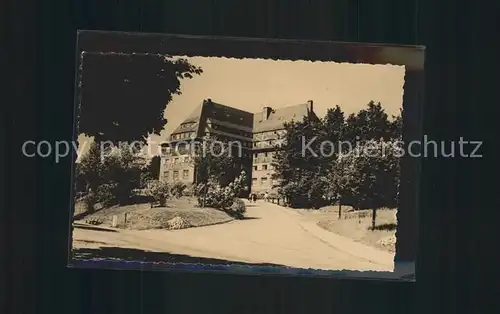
[(250, 84)]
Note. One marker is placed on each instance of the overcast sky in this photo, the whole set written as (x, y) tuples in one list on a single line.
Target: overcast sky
[(250, 84)]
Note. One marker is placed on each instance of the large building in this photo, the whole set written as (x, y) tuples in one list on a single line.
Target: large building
[(256, 134)]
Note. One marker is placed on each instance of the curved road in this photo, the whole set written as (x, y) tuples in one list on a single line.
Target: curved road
[(272, 234)]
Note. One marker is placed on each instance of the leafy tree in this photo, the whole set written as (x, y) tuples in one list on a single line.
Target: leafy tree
[(151, 171), (372, 176), (334, 125), (299, 162), (307, 178), (213, 159), (154, 167), (342, 180), (123, 169), (397, 126), (89, 170), (124, 96), (368, 124)]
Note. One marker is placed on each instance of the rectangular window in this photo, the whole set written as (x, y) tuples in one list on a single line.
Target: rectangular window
[(254, 167), (176, 174), (263, 180), (254, 181), (185, 174), (186, 159), (264, 167), (165, 174)]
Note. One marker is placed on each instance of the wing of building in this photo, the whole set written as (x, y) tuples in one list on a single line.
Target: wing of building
[(256, 134)]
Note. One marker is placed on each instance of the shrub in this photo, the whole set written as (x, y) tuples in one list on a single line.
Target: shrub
[(216, 196), (105, 194), (237, 209), (90, 200), (213, 194), (178, 189), (158, 191)]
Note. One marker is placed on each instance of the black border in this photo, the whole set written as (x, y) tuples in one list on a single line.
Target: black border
[(412, 57)]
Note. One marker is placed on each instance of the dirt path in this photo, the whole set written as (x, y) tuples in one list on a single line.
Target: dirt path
[(271, 234)]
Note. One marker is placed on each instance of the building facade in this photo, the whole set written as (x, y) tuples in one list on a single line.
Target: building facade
[(256, 133)]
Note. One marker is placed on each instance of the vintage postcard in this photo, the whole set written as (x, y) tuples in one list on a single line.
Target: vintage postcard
[(246, 155)]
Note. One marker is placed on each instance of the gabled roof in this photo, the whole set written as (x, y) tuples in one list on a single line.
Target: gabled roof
[(222, 113), (278, 117), (194, 117), (228, 114)]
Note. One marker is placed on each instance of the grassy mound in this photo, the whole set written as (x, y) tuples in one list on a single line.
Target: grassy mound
[(357, 226), (178, 215)]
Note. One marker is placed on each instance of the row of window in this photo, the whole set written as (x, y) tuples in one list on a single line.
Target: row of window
[(189, 135), (186, 159), (264, 143), (263, 167), (175, 174), (265, 154), (175, 160), (182, 136), (187, 125), (263, 180)]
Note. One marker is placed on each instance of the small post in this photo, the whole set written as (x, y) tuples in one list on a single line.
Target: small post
[(125, 219), (115, 221)]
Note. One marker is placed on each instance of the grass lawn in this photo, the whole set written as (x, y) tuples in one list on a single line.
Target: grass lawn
[(142, 217), (357, 226)]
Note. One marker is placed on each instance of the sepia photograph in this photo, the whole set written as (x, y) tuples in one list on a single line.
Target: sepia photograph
[(257, 162)]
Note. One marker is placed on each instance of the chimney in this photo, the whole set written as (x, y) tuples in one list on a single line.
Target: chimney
[(266, 111), (207, 101), (310, 104)]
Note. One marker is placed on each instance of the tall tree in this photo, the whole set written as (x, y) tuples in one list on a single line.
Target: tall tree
[(373, 176), (89, 170), (397, 126), (334, 124), (123, 96), (151, 171), (299, 162), (122, 170), (368, 124), (341, 180), (215, 158)]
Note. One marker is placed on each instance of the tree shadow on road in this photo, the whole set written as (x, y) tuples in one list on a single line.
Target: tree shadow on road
[(137, 255), (249, 218), (385, 227), (94, 228)]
